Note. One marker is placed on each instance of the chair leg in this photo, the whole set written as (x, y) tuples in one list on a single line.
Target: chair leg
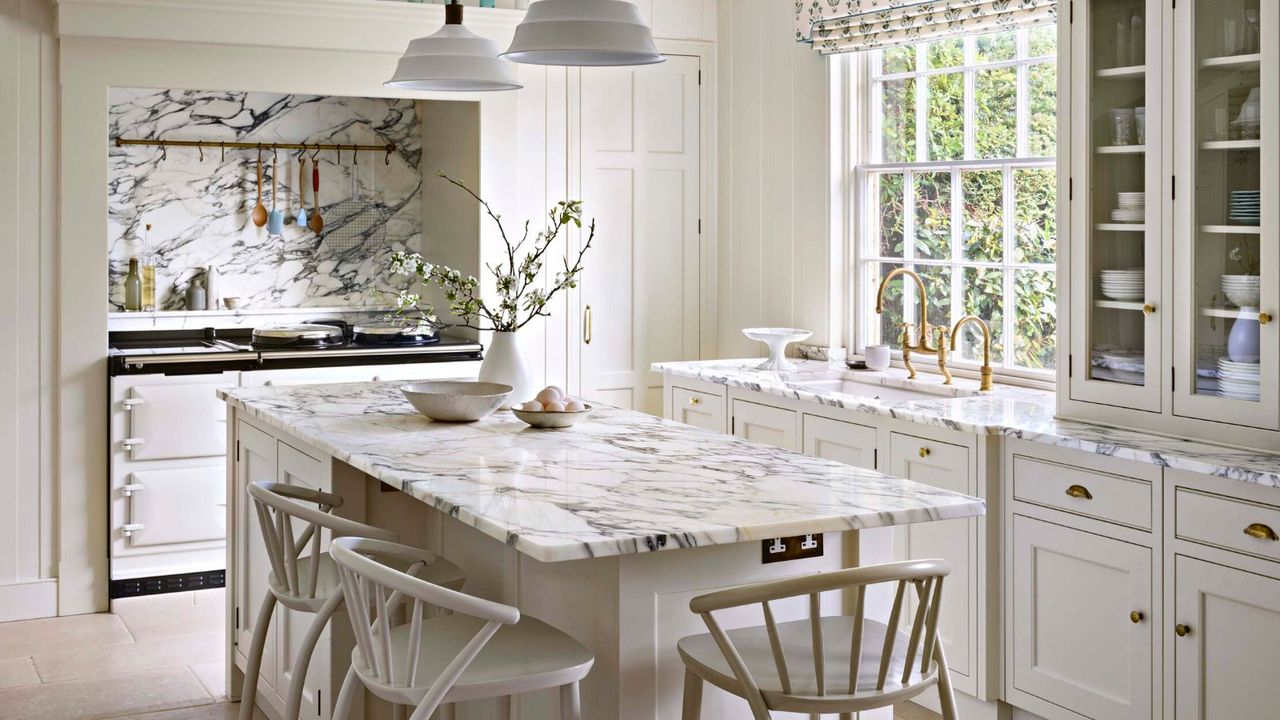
[(350, 686), (504, 708), (570, 702), (398, 712), (692, 696), (249, 690), (303, 660), (946, 697), (446, 712)]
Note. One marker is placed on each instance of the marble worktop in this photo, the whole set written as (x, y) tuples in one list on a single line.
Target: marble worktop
[(619, 483), (1014, 412)]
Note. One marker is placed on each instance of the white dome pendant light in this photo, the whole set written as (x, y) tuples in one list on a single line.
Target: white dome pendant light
[(453, 59), (583, 33)]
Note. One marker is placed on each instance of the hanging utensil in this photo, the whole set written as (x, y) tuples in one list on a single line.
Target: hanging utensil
[(275, 219), (316, 223), (259, 210), (301, 217)]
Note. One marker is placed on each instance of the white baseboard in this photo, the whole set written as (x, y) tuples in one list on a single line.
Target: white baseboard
[(28, 600)]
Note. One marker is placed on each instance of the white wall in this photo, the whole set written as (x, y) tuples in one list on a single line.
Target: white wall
[(775, 267), (28, 109)]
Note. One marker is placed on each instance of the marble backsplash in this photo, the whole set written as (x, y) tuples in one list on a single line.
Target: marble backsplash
[(200, 208)]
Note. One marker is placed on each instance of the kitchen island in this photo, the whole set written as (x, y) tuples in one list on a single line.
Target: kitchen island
[(604, 530)]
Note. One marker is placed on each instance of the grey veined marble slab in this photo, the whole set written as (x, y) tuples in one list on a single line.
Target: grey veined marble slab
[(621, 482), (1011, 412)]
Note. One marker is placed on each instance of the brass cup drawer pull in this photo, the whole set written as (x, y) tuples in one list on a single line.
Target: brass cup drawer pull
[(1148, 309), (1261, 532), (1136, 617), (1264, 318), (695, 401), (925, 452), (1079, 492), (1181, 630)]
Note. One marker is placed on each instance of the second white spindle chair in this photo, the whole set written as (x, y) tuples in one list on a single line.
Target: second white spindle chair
[(478, 649), (292, 520), (823, 665)]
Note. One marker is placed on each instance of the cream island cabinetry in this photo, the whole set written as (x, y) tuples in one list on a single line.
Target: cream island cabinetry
[(1119, 575)]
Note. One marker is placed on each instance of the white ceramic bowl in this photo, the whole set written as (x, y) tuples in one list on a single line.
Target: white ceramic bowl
[(455, 400), (550, 419)]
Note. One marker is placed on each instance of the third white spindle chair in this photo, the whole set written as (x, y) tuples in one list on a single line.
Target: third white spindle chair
[(478, 649), (823, 665)]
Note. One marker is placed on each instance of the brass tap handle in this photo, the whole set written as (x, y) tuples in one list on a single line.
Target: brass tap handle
[(1080, 492), (1261, 532), (1181, 630), (1136, 617), (940, 341)]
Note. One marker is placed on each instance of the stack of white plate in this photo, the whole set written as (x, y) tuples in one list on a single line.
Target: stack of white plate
[(1245, 208), (1242, 290), (1239, 381), (1132, 207), (1125, 284)]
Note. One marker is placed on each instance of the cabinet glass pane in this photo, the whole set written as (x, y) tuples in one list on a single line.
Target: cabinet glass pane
[(1117, 185), (1227, 208)]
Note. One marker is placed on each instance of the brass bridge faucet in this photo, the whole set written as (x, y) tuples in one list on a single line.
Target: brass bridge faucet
[(922, 332), (922, 328)]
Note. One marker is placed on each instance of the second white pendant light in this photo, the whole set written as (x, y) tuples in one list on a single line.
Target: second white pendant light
[(583, 33)]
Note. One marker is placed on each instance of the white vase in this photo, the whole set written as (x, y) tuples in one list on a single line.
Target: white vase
[(504, 362), (1243, 343)]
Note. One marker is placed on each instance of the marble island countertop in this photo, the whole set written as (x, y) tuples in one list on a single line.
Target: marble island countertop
[(1008, 411), (619, 483)]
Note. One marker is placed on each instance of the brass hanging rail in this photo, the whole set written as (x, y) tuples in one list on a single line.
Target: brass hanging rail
[(219, 144)]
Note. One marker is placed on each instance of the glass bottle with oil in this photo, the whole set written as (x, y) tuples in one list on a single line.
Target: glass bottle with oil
[(148, 273)]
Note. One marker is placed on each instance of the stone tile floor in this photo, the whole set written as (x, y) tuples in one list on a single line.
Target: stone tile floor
[(158, 657)]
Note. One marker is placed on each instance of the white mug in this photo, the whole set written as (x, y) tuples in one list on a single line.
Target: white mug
[(877, 357)]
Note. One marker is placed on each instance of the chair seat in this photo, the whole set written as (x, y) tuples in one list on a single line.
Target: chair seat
[(701, 655), (441, 572), (530, 655)]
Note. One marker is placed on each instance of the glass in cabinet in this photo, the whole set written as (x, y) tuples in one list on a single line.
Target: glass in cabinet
[(1116, 263), (1225, 127)]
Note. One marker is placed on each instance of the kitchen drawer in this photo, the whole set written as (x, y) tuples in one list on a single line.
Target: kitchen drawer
[(766, 424), (1104, 496), (1227, 523), (699, 409)]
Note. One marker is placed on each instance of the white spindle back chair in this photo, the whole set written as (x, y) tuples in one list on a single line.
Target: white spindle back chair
[(476, 649), (292, 520), (769, 666)]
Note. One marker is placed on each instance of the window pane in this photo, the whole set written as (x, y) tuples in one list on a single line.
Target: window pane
[(983, 215), (937, 285), (1035, 193), (1042, 40), (1035, 316), (898, 120), (945, 124), (932, 203), (891, 213), (996, 47), (995, 134), (983, 296), (945, 53), (898, 59), (1042, 110), (885, 325)]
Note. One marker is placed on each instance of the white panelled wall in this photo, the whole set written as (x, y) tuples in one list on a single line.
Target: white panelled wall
[(28, 82), (778, 263)]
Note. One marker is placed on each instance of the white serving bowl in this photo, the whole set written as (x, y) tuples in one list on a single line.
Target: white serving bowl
[(551, 419), (455, 400)]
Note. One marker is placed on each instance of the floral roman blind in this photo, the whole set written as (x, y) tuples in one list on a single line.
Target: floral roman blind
[(841, 26)]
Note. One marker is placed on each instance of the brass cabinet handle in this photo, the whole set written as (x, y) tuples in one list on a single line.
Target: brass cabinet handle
[(925, 452), (1261, 532), (1181, 630), (695, 401), (1079, 491), (1148, 309), (586, 325), (1136, 617), (1264, 318)]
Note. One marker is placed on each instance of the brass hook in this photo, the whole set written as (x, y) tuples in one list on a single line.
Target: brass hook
[(275, 152), (224, 151), (339, 147), (201, 149), (355, 155), (164, 151), (388, 158)]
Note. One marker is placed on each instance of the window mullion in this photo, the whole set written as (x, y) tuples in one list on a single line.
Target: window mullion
[(1022, 128), (970, 55), (908, 238), (922, 106), (1009, 223)]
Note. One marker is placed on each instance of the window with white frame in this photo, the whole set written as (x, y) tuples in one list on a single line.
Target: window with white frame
[(957, 182)]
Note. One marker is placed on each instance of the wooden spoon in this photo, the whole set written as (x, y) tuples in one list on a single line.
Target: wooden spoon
[(259, 210), (316, 223)]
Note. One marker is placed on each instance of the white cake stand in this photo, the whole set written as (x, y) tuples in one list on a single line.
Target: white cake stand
[(777, 339)]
